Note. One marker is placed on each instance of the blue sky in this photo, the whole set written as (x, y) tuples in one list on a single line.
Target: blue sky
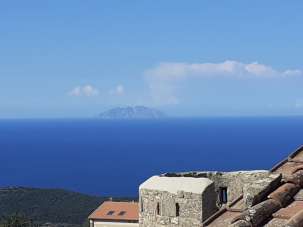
[(187, 58)]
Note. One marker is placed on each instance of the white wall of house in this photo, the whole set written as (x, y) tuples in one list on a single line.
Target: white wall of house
[(112, 224)]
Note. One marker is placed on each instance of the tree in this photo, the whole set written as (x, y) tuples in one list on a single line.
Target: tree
[(15, 220)]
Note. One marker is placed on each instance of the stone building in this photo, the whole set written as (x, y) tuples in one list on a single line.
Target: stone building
[(216, 199), (176, 201)]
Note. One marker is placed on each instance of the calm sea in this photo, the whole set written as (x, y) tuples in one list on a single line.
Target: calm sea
[(114, 157)]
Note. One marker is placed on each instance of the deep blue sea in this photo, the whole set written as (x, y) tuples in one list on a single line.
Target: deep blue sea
[(113, 157)]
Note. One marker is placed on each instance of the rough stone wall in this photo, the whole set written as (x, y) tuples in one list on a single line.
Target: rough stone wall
[(209, 200), (113, 224), (194, 208), (255, 192), (234, 181)]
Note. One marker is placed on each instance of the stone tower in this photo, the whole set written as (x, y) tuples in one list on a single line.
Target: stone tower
[(176, 201)]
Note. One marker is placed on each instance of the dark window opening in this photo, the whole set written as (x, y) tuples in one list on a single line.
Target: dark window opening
[(223, 195), (177, 209), (110, 212), (122, 213), (142, 208), (158, 208)]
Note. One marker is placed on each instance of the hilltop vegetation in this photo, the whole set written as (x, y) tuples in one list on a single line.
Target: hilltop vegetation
[(48, 205)]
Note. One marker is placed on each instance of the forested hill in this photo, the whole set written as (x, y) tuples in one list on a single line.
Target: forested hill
[(48, 205)]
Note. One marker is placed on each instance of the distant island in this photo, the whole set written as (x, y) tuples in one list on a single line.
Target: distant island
[(132, 112)]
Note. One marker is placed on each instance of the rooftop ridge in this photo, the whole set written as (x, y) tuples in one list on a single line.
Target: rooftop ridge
[(290, 156)]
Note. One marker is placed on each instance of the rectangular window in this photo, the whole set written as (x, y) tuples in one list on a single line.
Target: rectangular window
[(142, 208), (110, 212), (177, 210), (122, 213), (158, 208), (223, 195)]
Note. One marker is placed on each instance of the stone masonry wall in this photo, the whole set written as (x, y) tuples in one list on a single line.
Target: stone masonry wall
[(234, 181), (194, 208)]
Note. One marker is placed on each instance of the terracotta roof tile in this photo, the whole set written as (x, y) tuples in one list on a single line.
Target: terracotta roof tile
[(276, 222), (296, 220), (259, 213), (286, 207), (287, 168), (224, 219), (299, 196), (119, 211), (284, 194), (289, 211), (298, 156)]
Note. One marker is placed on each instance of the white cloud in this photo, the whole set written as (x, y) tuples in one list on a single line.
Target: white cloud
[(164, 80), (290, 72), (85, 90), (299, 103), (175, 71), (118, 90)]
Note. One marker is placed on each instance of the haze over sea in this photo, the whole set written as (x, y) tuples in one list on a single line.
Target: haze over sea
[(113, 157)]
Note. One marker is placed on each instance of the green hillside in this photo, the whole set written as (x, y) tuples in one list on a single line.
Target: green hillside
[(48, 205)]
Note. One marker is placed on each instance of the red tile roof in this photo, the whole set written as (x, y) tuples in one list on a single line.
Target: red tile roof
[(282, 207), (116, 211)]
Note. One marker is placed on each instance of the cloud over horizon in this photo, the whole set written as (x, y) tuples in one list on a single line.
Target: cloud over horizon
[(228, 68), (118, 90), (165, 79), (85, 90)]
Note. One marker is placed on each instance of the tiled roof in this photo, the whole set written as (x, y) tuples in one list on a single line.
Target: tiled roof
[(116, 211), (283, 206)]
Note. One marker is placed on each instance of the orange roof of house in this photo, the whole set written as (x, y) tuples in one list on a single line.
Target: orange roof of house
[(116, 211)]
